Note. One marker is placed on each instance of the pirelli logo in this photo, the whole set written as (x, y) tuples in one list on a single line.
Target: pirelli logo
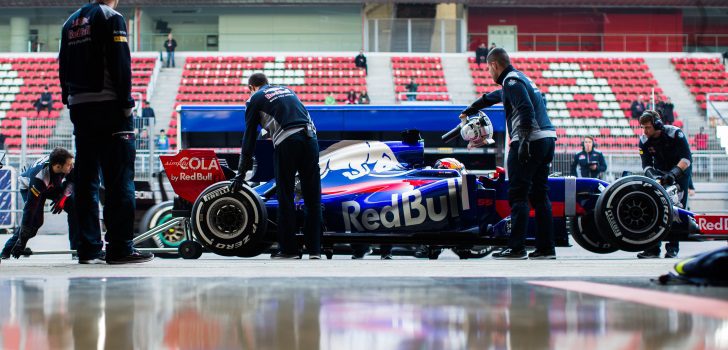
[(120, 39)]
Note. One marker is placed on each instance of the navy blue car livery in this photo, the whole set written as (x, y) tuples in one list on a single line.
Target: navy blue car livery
[(524, 105), (94, 59), (279, 111)]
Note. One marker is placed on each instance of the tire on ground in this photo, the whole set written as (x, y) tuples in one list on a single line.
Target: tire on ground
[(634, 213), (586, 234), (230, 224), (172, 238)]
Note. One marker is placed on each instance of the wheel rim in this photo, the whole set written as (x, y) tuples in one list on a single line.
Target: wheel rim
[(227, 218), (173, 236), (637, 212)]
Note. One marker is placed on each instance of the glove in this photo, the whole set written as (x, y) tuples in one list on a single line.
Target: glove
[(652, 173), (671, 177), (26, 233), (59, 204), (236, 184), (524, 152)]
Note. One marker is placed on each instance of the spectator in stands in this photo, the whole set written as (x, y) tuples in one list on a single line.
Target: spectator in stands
[(351, 98), (589, 162), (330, 99), (701, 140), (162, 141), (2, 144), (638, 107), (48, 178), (364, 98), (725, 57), (45, 101), (94, 41), (361, 61), (666, 110), (666, 156), (147, 114), (480, 53), (533, 139), (412, 89), (170, 45)]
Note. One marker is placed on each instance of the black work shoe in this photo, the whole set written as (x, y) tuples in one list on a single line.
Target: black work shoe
[(5, 254), (510, 254), (670, 254), (314, 256), (542, 255), (100, 259), (361, 255), (282, 256), (135, 257), (19, 248), (648, 255)]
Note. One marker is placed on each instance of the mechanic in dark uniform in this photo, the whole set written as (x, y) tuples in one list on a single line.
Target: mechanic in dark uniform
[(533, 140), (48, 178), (589, 162), (666, 155), (279, 111), (95, 76)]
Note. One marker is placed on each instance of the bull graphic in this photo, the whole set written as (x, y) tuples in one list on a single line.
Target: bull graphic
[(357, 158)]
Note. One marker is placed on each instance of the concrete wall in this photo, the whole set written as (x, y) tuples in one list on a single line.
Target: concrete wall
[(332, 28)]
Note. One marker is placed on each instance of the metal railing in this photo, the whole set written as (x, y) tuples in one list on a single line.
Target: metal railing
[(593, 42), (415, 35), (707, 166)]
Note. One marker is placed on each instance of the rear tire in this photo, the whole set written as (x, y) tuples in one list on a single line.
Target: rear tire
[(586, 234), (634, 213)]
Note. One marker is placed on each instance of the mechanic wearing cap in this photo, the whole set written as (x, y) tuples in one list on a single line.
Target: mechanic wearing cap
[(95, 76), (666, 156), (48, 178), (278, 110), (589, 162), (533, 139)]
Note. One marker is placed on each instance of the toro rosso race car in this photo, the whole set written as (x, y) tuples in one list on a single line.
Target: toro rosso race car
[(380, 192)]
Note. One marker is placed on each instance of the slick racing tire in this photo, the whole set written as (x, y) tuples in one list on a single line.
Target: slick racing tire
[(171, 238), (473, 252), (586, 234), (230, 224), (634, 213)]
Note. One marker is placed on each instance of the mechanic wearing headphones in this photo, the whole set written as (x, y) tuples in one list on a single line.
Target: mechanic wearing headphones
[(47, 178), (95, 76), (279, 111), (533, 139), (589, 161), (665, 156)]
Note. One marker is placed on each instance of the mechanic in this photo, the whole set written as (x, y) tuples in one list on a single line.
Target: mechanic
[(533, 139), (95, 76), (48, 178), (278, 110), (589, 162), (666, 156)]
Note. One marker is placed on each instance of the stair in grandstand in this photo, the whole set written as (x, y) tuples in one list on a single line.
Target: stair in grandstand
[(163, 100), (63, 132), (459, 85), (673, 86), (379, 80)]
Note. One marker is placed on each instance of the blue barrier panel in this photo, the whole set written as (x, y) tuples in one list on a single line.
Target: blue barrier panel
[(6, 198), (341, 118)]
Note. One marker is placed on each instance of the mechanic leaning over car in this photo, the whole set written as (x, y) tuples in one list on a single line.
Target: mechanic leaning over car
[(589, 162), (278, 110), (51, 177), (95, 76), (666, 156), (533, 139)]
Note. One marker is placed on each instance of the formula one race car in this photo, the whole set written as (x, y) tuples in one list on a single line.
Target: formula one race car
[(380, 192)]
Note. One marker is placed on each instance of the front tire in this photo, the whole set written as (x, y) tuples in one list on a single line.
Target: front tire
[(634, 213), (585, 233)]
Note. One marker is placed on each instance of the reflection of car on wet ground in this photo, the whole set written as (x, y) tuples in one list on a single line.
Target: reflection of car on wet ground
[(381, 193)]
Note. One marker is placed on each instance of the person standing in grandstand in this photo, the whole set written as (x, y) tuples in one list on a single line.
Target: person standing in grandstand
[(48, 178), (481, 53), (360, 61), (533, 139), (295, 150), (637, 107), (45, 101), (412, 90), (666, 156), (170, 45), (666, 110), (589, 162), (95, 76)]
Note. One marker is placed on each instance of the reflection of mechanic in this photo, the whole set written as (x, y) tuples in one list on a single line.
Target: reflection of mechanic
[(589, 162), (48, 178), (279, 111), (533, 139), (665, 155), (95, 75)]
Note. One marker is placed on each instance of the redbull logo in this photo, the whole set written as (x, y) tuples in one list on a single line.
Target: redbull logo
[(357, 158), (407, 209), (712, 224)]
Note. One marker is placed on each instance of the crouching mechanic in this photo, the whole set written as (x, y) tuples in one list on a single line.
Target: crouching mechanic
[(665, 156), (295, 149), (49, 178), (589, 162), (533, 140)]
